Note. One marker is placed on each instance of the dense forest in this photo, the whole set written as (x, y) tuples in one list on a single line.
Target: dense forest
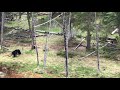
[(59, 44)]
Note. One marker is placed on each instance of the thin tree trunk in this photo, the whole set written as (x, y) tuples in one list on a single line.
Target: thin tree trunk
[(33, 34), (46, 44), (71, 35), (88, 39), (28, 18), (0, 20), (65, 42), (33, 23), (97, 44), (2, 27), (46, 50), (88, 32)]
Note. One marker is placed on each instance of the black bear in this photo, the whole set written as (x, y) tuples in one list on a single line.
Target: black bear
[(16, 52)]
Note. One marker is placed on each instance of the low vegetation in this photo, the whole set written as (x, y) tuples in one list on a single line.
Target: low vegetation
[(17, 36)]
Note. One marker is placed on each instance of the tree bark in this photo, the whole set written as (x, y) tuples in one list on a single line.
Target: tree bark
[(0, 19), (65, 42), (2, 27), (97, 43), (88, 39), (88, 31), (46, 43), (34, 39), (31, 30), (28, 18), (70, 29)]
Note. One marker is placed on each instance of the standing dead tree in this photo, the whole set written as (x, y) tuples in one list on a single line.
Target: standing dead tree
[(34, 38)]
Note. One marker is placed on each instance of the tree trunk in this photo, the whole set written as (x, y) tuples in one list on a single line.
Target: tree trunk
[(97, 46), (46, 50), (70, 29), (31, 30), (2, 27), (46, 43), (29, 24), (34, 39), (119, 30), (0, 19), (88, 39), (97, 43), (71, 33), (28, 18), (65, 42)]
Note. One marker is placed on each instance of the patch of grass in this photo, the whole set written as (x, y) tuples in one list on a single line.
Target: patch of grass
[(70, 54), (85, 71), (11, 65), (27, 67), (116, 75), (23, 24), (30, 52), (3, 51), (19, 67), (57, 30), (25, 40), (53, 71), (45, 28)]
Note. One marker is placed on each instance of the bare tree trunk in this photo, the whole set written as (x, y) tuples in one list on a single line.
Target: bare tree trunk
[(33, 34), (70, 29), (46, 50), (88, 39), (0, 19), (28, 18), (46, 44), (65, 42), (97, 44), (33, 23), (2, 27)]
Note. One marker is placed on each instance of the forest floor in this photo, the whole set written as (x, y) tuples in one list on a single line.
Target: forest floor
[(25, 65)]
